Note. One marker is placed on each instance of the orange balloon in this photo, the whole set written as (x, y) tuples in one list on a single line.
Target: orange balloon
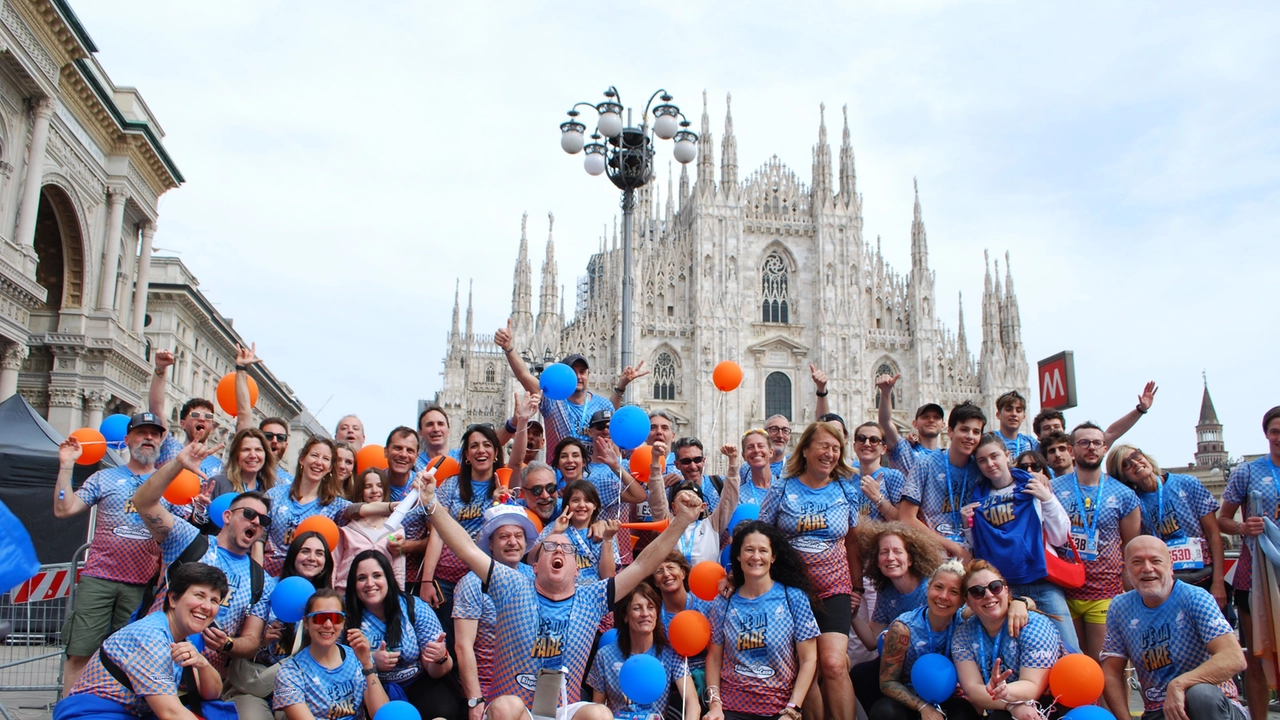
[(641, 459), (504, 476), (445, 468), (704, 579), (371, 456), (1076, 680), (183, 488), (533, 517), (651, 526), (321, 524), (689, 632), (227, 393), (727, 375), (93, 446)]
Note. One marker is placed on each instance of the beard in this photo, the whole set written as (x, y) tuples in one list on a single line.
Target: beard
[(143, 454), (1086, 465)]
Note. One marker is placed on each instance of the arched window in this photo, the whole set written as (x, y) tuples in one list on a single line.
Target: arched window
[(777, 395), (773, 288), (489, 373), (887, 369), (664, 377)]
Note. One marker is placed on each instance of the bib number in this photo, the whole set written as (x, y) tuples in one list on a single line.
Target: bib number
[(1086, 545), (954, 534), (1187, 553)]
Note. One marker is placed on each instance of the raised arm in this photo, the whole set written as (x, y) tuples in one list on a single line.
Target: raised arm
[(65, 502), (502, 338), (450, 532), (156, 393), (629, 374), (244, 408), (729, 495), (885, 383), (1131, 418), (658, 509), (822, 407), (688, 507)]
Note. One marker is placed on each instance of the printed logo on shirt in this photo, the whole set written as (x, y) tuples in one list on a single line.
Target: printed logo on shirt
[(131, 532), (1170, 526), (550, 638), (1155, 647), (811, 518), (471, 512), (999, 513)]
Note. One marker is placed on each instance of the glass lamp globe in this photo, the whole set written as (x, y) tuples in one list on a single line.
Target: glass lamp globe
[(609, 124), (665, 126), (571, 141), (594, 163), (685, 151)]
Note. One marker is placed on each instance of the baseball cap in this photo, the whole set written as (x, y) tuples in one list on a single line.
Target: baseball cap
[(572, 358), (499, 515), (535, 423), (927, 407), (601, 416), (143, 419), (832, 417)]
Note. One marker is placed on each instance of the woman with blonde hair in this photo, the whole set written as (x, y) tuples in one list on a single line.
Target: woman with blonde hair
[(250, 465), (757, 471)]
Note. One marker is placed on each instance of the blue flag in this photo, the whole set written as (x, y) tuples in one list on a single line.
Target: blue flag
[(18, 562)]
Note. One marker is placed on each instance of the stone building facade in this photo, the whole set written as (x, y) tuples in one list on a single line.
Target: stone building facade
[(766, 270)]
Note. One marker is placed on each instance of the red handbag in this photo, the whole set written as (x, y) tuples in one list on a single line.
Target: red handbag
[(1064, 573)]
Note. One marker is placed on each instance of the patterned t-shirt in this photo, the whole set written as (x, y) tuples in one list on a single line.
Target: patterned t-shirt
[(1037, 646), (170, 448), (588, 551), (122, 549), (1103, 574), (423, 459), (609, 486), (1174, 511), (815, 521), (141, 649), (1020, 443), (775, 469), (1166, 641), (904, 456), (470, 602), (414, 637), (539, 633), (286, 514), (1258, 476), (469, 515), (890, 603), (939, 489), (923, 638), (759, 636), (562, 418), (336, 694), (605, 673), (891, 484)]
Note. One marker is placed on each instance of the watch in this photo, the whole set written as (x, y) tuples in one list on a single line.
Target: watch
[(475, 701), (226, 647), (371, 670)]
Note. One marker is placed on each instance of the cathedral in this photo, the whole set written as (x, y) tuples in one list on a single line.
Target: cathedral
[(767, 271)]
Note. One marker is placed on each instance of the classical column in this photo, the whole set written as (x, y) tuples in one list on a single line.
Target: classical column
[(95, 401), (10, 364), (144, 277), (25, 237), (111, 255)]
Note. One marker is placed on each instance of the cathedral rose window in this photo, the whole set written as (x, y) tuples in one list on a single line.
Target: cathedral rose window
[(773, 281)]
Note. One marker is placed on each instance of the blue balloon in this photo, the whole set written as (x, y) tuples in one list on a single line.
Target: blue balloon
[(114, 427), (220, 505), (609, 637), (629, 427), (558, 381), (643, 678), (397, 710), (289, 599), (1089, 712), (725, 559), (197, 640), (933, 677), (742, 514)]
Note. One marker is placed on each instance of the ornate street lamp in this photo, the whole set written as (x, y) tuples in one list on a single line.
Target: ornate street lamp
[(627, 154)]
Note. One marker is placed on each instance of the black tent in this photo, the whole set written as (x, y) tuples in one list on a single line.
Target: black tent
[(28, 472)]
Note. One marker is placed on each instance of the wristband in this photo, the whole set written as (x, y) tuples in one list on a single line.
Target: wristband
[(371, 670), (242, 368), (620, 391), (821, 394), (510, 426), (1138, 407), (226, 647), (159, 372)]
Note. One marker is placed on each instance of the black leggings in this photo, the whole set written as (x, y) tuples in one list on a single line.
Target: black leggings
[(955, 708), (866, 683), (436, 697)]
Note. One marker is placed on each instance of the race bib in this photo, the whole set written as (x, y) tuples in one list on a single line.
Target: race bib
[(1187, 553), (954, 534), (1086, 545)]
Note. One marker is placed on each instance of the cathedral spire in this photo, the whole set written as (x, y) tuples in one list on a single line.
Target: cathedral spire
[(1011, 314), (919, 241), (454, 333), (706, 163), (848, 176), (522, 289), (962, 343), (547, 320), (671, 197), (470, 284), (684, 185), (821, 187), (728, 150)]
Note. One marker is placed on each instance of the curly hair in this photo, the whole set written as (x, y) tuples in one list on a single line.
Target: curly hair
[(787, 567), (923, 550)]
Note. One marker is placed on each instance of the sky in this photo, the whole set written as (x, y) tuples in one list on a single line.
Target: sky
[(347, 166)]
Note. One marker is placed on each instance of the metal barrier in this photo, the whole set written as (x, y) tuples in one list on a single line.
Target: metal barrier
[(31, 656)]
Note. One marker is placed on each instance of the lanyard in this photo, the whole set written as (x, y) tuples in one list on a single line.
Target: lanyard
[(755, 491), (933, 637), (1090, 526), (955, 502), (582, 543), (686, 541), (580, 431), (1159, 513), (987, 665)]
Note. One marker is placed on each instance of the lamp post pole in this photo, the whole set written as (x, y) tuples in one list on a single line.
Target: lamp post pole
[(627, 154)]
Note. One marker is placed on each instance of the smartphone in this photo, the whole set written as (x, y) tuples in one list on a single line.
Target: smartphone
[(547, 695)]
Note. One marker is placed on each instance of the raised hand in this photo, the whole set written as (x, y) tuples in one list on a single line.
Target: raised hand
[(1148, 396), (996, 687), (358, 642), (562, 522), (247, 355), (194, 453), (502, 338), (425, 484), (631, 373), (69, 451), (206, 494), (688, 506), (384, 659), (886, 381), (730, 451), (819, 377), (164, 359), (604, 451), (967, 512), (436, 650), (871, 488), (521, 409)]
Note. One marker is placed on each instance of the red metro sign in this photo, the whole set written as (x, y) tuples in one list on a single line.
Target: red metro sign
[(1057, 384)]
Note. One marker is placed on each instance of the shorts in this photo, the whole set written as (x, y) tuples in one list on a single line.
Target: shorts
[(101, 607), (1241, 598), (836, 615), (1094, 612)]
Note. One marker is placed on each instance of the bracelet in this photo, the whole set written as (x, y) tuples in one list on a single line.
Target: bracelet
[(620, 391), (1138, 407), (1019, 599), (923, 703), (242, 368), (159, 372), (821, 394), (371, 670), (431, 508)]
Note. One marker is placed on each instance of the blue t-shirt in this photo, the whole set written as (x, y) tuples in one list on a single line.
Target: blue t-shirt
[(1007, 531), (589, 551), (890, 603), (904, 456), (775, 469), (1165, 641), (1037, 646), (759, 636), (287, 513), (470, 602), (1262, 477), (815, 522), (940, 489), (141, 649), (1173, 511), (1097, 523), (923, 638), (469, 515), (421, 463), (1019, 444), (604, 677), (170, 448), (414, 637), (336, 694)]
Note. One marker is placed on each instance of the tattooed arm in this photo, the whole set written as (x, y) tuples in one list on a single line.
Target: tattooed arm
[(896, 642)]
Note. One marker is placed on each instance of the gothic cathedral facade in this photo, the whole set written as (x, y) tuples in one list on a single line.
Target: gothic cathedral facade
[(766, 271)]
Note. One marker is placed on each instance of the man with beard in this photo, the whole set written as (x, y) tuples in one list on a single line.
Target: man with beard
[(196, 418), (351, 431), (123, 558), (181, 543), (902, 454), (277, 431), (1057, 450), (1184, 652), (540, 492)]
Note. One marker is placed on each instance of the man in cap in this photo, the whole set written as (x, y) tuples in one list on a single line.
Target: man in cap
[(901, 454), (123, 559), (507, 534)]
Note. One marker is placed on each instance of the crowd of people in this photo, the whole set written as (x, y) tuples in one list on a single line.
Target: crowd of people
[(999, 550)]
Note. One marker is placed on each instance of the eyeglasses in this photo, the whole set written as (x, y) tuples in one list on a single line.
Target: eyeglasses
[(778, 430), (867, 439), (278, 437), (995, 587), (551, 546), (1030, 467), (1090, 443), (692, 460), (1132, 459), (250, 514), (333, 617), (539, 490), (600, 426), (200, 415)]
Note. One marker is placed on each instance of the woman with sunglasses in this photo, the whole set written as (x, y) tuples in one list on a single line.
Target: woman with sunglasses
[(366, 533), (641, 633), (915, 633), (596, 549), (314, 491), (344, 466), (763, 657), (757, 455), (881, 485), (328, 679), (1034, 463), (409, 649), (1178, 510), (1001, 673), (251, 682)]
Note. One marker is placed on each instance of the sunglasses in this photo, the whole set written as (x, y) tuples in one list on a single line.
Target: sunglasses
[(278, 437), (250, 514), (539, 490), (333, 617), (200, 415), (692, 460), (551, 546), (1030, 467), (995, 587), (867, 439), (600, 426)]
